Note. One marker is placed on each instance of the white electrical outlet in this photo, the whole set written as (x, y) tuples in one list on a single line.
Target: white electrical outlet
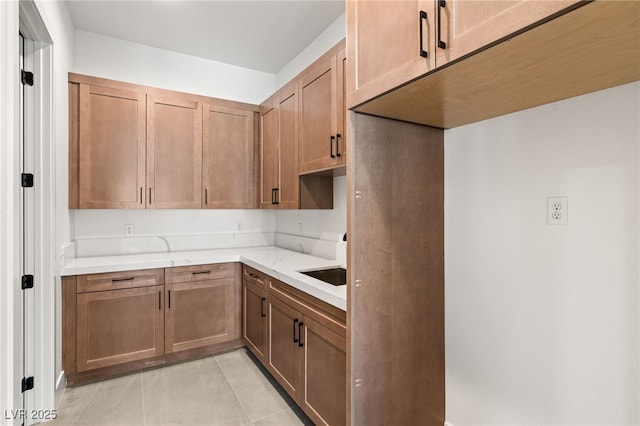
[(557, 211), (128, 230)]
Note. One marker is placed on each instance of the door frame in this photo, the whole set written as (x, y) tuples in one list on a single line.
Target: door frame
[(24, 17)]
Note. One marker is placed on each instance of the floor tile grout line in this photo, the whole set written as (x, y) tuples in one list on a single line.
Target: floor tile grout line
[(233, 390), (144, 414)]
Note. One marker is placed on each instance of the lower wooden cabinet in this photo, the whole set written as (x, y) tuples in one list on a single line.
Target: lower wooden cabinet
[(118, 326), (124, 321), (254, 312), (200, 311), (307, 352)]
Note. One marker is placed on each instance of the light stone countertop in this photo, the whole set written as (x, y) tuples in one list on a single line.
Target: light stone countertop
[(280, 263)]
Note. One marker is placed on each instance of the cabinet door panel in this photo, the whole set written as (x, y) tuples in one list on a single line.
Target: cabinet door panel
[(269, 156), (470, 25), (255, 319), (318, 111), (325, 375), (228, 158), (114, 327), (384, 43), (289, 187), (112, 148), (174, 153), (342, 112), (198, 314), (284, 358)]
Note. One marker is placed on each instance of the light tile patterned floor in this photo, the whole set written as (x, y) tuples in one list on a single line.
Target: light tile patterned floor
[(228, 389)]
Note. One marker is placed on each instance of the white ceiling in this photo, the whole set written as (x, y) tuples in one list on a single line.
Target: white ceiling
[(262, 35)]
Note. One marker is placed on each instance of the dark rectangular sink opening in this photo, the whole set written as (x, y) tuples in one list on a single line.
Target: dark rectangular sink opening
[(333, 276)]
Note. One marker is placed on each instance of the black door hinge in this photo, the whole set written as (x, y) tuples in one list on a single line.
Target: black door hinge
[(27, 383), (27, 281), (27, 180), (27, 78)]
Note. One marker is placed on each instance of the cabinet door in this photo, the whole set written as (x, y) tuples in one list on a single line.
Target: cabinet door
[(254, 330), (174, 153), (342, 113), (467, 25), (284, 351), (227, 152), (118, 326), (324, 391), (318, 116), (112, 148), (198, 314), (269, 157), (385, 45), (288, 193)]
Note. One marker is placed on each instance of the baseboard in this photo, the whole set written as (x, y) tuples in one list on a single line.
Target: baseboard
[(61, 386)]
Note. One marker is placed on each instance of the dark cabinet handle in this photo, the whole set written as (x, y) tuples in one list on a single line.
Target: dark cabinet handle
[(338, 136), (116, 280), (140, 195), (254, 276), (300, 344), (423, 17), (295, 340), (262, 314), (331, 145), (149, 195), (277, 196), (441, 5), (169, 299), (206, 198), (159, 300), (200, 272)]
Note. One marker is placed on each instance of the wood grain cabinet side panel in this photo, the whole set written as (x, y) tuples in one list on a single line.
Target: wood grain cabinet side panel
[(288, 195), (228, 163), (112, 141), (174, 153), (119, 326)]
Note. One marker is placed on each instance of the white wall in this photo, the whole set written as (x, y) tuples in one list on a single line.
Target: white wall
[(542, 322), (108, 57), (325, 41)]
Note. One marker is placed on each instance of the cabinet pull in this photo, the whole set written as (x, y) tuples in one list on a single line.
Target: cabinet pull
[(206, 199), (149, 195), (331, 145), (338, 136), (300, 344), (159, 300), (277, 196), (200, 272), (273, 195), (262, 300), (116, 280), (169, 299), (423, 17), (441, 5), (140, 195), (295, 340)]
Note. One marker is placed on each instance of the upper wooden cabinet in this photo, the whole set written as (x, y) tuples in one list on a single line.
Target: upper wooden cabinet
[(134, 146), (322, 111), (466, 26), (174, 153), (279, 185), (388, 43), (111, 158), (394, 42), (228, 158)]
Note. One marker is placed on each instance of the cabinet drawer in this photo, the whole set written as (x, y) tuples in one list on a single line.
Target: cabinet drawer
[(187, 274), (120, 280), (253, 276)]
